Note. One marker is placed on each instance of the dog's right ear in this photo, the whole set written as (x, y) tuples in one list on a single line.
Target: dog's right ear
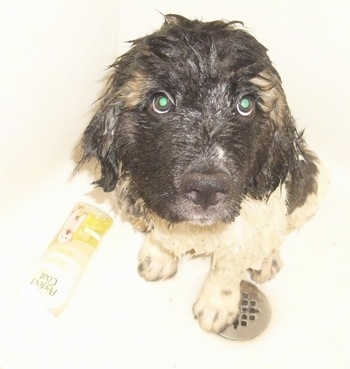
[(98, 142), (175, 19)]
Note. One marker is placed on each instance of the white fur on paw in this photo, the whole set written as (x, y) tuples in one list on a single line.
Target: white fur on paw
[(270, 267), (156, 263), (217, 307)]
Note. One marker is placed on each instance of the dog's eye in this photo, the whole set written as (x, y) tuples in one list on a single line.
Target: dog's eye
[(245, 106), (161, 104)]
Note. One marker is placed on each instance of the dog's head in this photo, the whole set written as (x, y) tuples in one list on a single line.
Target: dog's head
[(193, 121)]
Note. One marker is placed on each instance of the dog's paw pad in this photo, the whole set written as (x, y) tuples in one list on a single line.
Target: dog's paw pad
[(155, 264), (217, 309)]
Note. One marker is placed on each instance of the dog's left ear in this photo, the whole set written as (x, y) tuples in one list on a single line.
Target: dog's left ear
[(279, 156), (281, 160), (98, 143)]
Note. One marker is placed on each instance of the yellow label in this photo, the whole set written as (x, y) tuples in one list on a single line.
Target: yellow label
[(85, 223)]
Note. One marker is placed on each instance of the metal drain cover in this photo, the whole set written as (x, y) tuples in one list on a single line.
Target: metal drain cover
[(253, 317)]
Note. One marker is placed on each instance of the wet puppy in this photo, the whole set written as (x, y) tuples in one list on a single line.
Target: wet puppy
[(195, 136)]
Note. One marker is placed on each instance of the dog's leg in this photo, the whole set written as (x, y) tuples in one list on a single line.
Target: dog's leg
[(218, 302), (269, 268), (155, 262)]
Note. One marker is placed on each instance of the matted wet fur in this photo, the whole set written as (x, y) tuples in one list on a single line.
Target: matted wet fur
[(195, 136)]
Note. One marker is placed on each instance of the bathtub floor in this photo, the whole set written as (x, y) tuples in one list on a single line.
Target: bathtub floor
[(117, 320)]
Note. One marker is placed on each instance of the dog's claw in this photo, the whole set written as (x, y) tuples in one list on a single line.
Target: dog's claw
[(142, 267), (270, 267), (156, 263), (215, 310)]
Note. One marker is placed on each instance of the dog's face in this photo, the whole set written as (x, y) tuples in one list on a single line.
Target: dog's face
[(194, 120)]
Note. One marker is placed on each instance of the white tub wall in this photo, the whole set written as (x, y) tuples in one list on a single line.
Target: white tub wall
[(53, 55)]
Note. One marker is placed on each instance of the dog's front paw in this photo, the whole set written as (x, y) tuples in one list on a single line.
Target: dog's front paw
[(270, 267), (217, 308), (156, 263)]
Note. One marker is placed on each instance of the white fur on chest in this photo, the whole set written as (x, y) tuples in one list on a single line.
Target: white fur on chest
[(257, 231)]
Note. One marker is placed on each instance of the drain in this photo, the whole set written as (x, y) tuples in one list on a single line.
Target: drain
[(253, 317)]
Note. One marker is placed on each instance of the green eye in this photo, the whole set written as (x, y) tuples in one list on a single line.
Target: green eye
[(161, 104), (245, 106)]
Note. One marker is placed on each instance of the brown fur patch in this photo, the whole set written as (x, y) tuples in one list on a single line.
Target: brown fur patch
[(132, 91), (274, 102)]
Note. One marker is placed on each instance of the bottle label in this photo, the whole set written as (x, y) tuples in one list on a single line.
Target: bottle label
[(45, 282), (85, 224), (60, 268), (72, 224), (53, 281)]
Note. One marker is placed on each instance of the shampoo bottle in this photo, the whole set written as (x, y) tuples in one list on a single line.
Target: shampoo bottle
[(59, 269)]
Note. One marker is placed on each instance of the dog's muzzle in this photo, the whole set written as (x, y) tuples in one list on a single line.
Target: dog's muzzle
[(206, 189)]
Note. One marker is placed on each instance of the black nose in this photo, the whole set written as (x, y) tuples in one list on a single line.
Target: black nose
[(206, 189)]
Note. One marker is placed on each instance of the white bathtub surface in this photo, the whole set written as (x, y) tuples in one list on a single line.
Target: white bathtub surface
[(115, 319)]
